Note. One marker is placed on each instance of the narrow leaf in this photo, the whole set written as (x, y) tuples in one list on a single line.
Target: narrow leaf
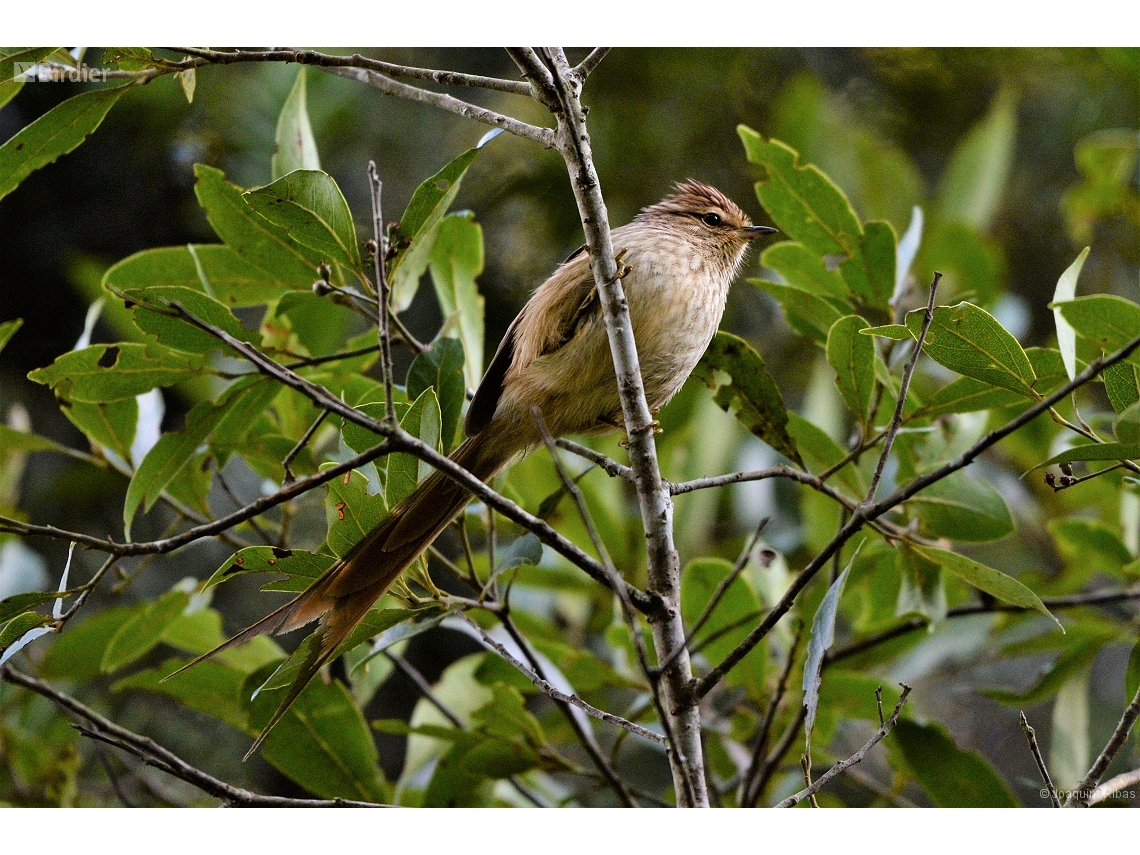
[(441, 368), (853, 357), (822, 637), (456, 261), (296, 147), (974, 183), (1067, 290)]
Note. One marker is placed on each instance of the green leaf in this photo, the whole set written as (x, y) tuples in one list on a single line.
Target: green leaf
[(1108, 321), (111, 425), (921, 590), (1067, 290), (698, 582), (129, 58), (742, 386), (299, 568), (1094, 451), (805, 313), (1069, 752), (322, 742), (801, 200), (252, 237), (19, 626), (969, 341), (15, 440), (1075, 657), (208, 687), (78, 652), (419, 226), (238, 406), (895, 332), (821, 452), (1127, 426), (965, 395), (9, 88), (973, 185), (1122, 384), (17, 603), (215, 269), (456, 261), (188, 80), (853, 357), (993, 582), (822, 637), (351, 512), (57, 132), (973, 264), (139, 635), (441, 369), (112, 372), (405, 471), (9, 329), (1132, 674), (964, 509), (870, 271), (951, 777), (804, 270), (152, 314), (309, 207), (1090, 545), (296, 148)]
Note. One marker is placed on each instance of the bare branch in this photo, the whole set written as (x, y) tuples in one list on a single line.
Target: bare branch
[(379, 253), (607, 464), (299, 447), (583, 69), (857, 757), (150, 752), (1035, 750), (1082, 794), (1114, 785)]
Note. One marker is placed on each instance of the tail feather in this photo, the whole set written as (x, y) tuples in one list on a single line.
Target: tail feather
[(341, 597)]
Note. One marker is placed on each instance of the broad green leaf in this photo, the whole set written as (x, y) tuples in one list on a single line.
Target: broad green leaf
[(973, 185), (1122, 384), (969, 341), (112, 372), (238, 406), (129, 58), (351, 512), (801, 200), (870, 271), (209, 687), (78, 651), (921, 589), (805, 313), (304, 320), (296, 147), (803, 269), (1075, 657), (853, 357), (56, 133), (1104, 319), (111, 425), (999, 585), (298, 567), (419, 226), (972, 264), (19, 626), (441, 369), (252, 237), (1106, 160), (895, 332), (1132, 674), (360, 439), (1065, 291), (322, 742), (456, 261), (822, 637), (15, 440), (963, 509), (698, 582), (821, 452), (742, 386), (1127, 426), (309, 207), (1094, 451), (951, 777), (9, 88), (1090, 545), (151, 307), (139, 635), (17, 603), (405, 471), (216, 269), (965, 395), (9, 329)]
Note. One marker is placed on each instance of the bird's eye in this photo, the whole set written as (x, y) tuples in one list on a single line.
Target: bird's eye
[(711, 219)]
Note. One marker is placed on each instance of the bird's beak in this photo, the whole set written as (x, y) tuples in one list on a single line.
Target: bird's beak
[(753, 232)]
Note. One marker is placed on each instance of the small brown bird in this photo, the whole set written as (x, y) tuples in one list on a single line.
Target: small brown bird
[(682, 254)]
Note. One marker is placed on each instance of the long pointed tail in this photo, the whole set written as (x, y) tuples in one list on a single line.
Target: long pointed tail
[(344, 594)]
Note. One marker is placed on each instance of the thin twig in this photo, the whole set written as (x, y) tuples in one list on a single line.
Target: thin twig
[(574, 700), (1035, 750), (857, 757), (150, 752), (301, 443), (378, 256), (1114, 785), (749, 791), (1080, 796), (593, 59), (607, 464)]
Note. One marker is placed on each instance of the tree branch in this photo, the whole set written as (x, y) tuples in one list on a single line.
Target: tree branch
[(1035, 750), (150, 752), (1082, 794)]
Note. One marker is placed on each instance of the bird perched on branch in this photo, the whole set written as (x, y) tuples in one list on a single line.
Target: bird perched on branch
[(678, 258)]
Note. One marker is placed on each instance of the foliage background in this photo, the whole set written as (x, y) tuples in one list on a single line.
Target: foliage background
[(883, 123)]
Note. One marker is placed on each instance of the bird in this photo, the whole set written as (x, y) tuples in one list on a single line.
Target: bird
[(679, 257)]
